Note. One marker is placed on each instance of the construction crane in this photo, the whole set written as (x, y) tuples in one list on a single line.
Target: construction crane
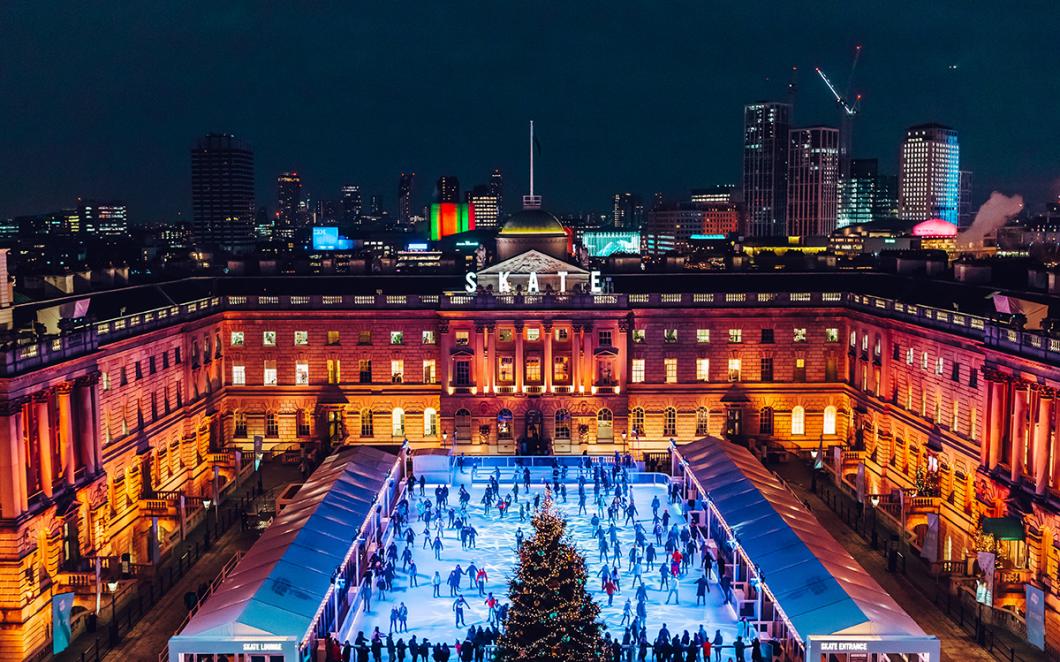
[(848, 109)]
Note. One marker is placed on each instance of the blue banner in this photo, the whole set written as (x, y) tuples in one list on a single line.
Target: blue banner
[(62, 603), (1035, 616)]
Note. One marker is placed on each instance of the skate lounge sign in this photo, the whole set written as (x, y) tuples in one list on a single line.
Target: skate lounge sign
[(533, 272)]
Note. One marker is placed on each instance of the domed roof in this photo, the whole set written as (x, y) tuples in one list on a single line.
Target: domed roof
[(532, 222), (935, 227)]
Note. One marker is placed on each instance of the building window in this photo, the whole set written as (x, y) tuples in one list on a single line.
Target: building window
[(800, 369), (504, 424), (734, 370), (237, 339), (896, 352), (940, 365), (397, 371), (397, 422), (671, 370), (637, 373), (239, 375), (853, 340), (151, 367), (831, 335), (604, 338), (924, 361), (955, 372), (367, 423), (670, 335), (462, 424), (506, 370), (165, 360), (533, 369), (268, 338), (364, 371), (463, 338), (301, 374), (462, 373), (533, 334), (735, 335), (909, 356), (240, 424), (333, 337), (829, 420), (430, 338), (562, 424), (430, 422), (505, 334), (702, 335), (301, 337), (272, 429), (798, 421), (973, 434), (798, 335), (605, 430), (364, 337), (562, 335), (767, 336), (703, 370), (767, 369), (104, 381), (561, 369), (302, 423), (702, 422), (637, 421), (334, 371), (397, 337), (429, 376), (956, 415), (765, 421), (638, 335), (670, 422)]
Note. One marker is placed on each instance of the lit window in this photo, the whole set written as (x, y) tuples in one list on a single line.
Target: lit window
[(430, 422), (506, 370), (637, 375), (735, 335), (924, 361), (397, 422), (301, 337), (333, 337), (734, 370), (909, 356), (104, 381), (301, 374), (237, 339), (799, 335), (533, 369), (562, 335), (334, 371), (397, 337), (940, 365), (272, 428), (561, 369), (831, 335), (429, 375), (956, 415), (670, 335), (671, 370), (505, 335), (430, 338), (463, 337), (367, 423), (670, 422), (829, 420), (702, 370), (638, 335), (702, 335), (798, 421), (364, 337), (239, 375), (533, 334), (270, 374), (397, 371), (702, 421)]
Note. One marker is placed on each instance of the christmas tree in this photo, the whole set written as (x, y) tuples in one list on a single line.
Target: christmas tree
[(552, 616)]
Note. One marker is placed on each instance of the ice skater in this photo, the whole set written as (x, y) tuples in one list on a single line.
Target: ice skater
[(458, 609)]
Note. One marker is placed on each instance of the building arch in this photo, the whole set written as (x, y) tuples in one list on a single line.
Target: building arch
[(605, 425)]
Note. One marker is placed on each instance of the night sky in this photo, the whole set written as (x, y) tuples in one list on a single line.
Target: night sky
[(643, 96)]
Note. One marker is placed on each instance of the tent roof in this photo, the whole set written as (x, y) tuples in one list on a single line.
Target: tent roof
[(817, 583), (277, 588), (1004, 528)]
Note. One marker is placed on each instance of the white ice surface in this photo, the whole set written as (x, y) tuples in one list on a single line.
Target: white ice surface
[(434, 618)]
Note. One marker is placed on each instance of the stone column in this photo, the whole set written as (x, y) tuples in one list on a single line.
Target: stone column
[(588, 369), (622, 343), (575, 356), (44, 441), (985, 440), (1041, 442), (1018, 430), (1055, 459), (12, 464), (998, 416), (478, 370), (519, 367), (546, 329), (445, 354), (67, 439), (86, 399), (491, 359)]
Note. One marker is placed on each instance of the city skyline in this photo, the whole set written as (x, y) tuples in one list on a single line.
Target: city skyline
[(112, 145)]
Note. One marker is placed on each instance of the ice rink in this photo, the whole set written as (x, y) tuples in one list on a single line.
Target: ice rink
[(434, 618)]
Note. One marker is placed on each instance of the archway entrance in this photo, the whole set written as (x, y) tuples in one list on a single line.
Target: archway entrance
[(533, 441)]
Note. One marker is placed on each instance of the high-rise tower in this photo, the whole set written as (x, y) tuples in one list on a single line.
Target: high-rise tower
[(765, 165), (813, 175), (929, 174), (222, 190)]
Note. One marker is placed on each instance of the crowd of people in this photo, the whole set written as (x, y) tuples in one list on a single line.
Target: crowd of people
[(662, 545)]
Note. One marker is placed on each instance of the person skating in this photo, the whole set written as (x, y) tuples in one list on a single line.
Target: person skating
[(702, 588), (674, 584), (455, 576), (414, 648), (401, 647), (472, 571), (438, 547), (403, 618), (738, 649), (391, 649), (413, 576), (717, 643), (458, 609), (610, 588), (627, 612), (436, 584), (664, 577), (491, 604), (480, 579)]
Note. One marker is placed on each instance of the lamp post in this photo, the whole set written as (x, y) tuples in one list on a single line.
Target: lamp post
[(112, 585), (813, 471), (624, 435), (206, 503), (874, 500)]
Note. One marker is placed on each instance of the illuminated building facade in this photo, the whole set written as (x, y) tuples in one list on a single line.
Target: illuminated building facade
[(487, 205), (866, 195), (765, 167), (448, 218), (101, 218), (929, 174), (289, 217), (670, 227), (813, 175), (222, 190), (627, 211)]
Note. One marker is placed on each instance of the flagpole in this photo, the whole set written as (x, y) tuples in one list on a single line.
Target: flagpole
[(531, 158)]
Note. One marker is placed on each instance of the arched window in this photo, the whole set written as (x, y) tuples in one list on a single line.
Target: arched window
[(240, 426), (367, 423), (397, 423), (562, 424), (798, 420), (462, 422), (702, 422), (669, 422), (765, 421), (637, 422), (605, 427), (430, 422), (829, 420), (504, 424)]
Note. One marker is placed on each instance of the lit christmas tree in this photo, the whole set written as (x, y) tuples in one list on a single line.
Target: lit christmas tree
[(552, 616)]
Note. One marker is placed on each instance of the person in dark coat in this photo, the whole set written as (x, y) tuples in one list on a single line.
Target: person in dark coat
[(347, 651), (401, 648)]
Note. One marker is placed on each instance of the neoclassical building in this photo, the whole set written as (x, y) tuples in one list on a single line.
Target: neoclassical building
[(115, 431)]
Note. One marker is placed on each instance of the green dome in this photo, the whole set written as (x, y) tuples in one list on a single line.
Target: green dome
[(532, 222)]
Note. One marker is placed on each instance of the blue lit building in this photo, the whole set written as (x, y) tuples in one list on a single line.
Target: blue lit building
[(930, 175)]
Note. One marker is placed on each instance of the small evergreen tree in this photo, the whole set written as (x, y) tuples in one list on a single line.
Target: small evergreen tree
[(552, 617)]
